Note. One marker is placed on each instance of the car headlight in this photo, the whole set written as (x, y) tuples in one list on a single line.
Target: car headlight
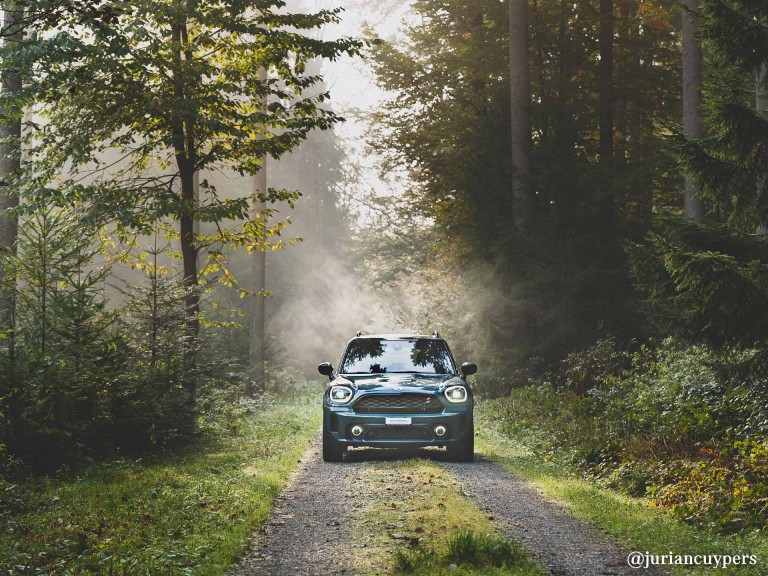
[(341, 394), (456, 394)]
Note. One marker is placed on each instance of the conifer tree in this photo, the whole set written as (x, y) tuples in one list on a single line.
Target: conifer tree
[(710, 283), (731, 163)]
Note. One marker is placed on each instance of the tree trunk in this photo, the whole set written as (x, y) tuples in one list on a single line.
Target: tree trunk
[(10, 162), (605, 113), (564, 74), (520, 123), (191, 282), (184, 143), (693, 128), (257, 353), (306, 163), (761, 105), (622, 94)]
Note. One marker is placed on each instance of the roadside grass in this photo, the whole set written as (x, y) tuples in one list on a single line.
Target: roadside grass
[(189, 513), (424, 525), (633, 522)]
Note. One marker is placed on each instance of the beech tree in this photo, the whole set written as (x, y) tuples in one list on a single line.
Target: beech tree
[(172, 87)]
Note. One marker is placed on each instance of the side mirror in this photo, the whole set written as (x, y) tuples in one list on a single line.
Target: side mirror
[(468, 368), (326, 368)]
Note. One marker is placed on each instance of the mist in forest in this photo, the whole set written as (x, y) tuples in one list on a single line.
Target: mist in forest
[(321, 297), (323, 294)]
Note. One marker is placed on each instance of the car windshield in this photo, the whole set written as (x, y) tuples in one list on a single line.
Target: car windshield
[(380, 356)]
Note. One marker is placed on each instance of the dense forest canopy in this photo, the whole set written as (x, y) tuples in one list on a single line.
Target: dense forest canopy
[(448, 123)]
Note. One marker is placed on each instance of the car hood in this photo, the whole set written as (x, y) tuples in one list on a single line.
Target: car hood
[(400, 382)]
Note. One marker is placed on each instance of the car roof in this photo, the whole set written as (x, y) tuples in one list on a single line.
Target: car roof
[(395, 336), (436, 337)]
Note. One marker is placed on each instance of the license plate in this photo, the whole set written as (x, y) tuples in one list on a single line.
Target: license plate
[(397, 421)]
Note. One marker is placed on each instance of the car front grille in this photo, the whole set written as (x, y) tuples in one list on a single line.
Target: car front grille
[(398, 433), (398, 404)]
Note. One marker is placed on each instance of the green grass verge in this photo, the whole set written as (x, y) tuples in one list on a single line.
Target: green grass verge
[(191, 513), (425, 526), (633, 522)]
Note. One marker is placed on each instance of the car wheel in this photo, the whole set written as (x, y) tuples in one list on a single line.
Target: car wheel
[(333, 450), (463, 451)]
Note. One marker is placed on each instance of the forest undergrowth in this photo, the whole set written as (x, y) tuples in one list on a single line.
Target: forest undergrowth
[(680, 425)]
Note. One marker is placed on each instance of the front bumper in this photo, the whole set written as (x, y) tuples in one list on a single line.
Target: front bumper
[(339, 421)]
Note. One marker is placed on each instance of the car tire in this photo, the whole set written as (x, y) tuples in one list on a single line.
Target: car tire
[(463, 451), (333, 450)]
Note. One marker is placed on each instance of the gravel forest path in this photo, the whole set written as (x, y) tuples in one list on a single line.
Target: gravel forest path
[(316, 529)]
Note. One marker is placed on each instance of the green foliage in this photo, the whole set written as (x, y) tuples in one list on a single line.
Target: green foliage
[(138, 104), (81, 379), (634, 521), (124, 105), (726, 491), (447, 121), (730, 162), (191, 64), (172, 88), (695, 426), (483, 550), (150, 406), (706, 284)]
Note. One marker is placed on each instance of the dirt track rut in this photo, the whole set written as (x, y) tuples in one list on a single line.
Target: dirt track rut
[(307, 534), (310, 531), (558, 541)]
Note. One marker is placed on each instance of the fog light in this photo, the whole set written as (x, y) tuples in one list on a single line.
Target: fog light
[(357, 430), (440, 430)]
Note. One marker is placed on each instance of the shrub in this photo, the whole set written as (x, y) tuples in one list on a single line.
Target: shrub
[(676, 422), (60, 364)]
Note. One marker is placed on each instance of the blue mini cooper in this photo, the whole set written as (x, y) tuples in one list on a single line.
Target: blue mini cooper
[(394, 391)]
